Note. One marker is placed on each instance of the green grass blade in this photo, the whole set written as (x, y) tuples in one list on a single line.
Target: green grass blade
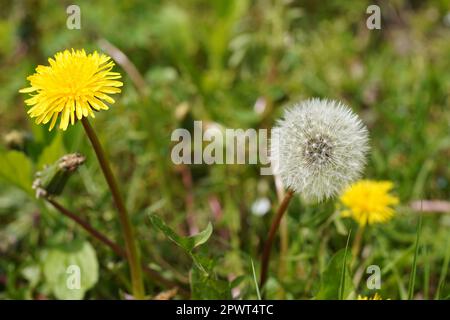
[(444, 271), (412, 278), (426, 274), (258, 294), (344, 268)]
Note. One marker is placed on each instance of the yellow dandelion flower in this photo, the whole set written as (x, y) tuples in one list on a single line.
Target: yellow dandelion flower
[(73, 86), (369, 201), (376, 296)]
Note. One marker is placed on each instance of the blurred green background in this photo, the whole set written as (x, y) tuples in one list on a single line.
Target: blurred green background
[(236, 64)]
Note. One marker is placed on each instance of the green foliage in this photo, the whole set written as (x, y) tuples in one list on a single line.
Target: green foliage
[(412, 279), (17, 169), (336, 281), (51, 153), (205, 284), (258, 294), (231, 64), (187, 243), (57, 264), (444, 271)]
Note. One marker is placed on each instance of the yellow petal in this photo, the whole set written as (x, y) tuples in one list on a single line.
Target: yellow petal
[(65, 119), (27, 90), (52, 124)]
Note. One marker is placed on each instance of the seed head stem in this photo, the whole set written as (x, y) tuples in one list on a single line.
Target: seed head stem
[(272, 232)]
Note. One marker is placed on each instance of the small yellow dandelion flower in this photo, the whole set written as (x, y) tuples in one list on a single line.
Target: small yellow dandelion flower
[(73, 86), (369, 201), (376, 296)]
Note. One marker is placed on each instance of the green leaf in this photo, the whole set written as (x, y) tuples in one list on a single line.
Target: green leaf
[(158, 223), (32, 273), (70, 270), (52, 152), (332, 286), (18, 228), (203, 236), (187, 243), (208, 286), (16, 168), (205, 284)]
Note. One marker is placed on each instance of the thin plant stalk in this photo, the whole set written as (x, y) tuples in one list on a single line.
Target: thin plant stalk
[(284, 246), (272, 232), (113, 246), (357, 243), (284, 235), (131, 247), (89, 228)]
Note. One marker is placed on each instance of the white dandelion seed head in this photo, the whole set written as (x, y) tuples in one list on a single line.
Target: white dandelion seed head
[(318, 148)]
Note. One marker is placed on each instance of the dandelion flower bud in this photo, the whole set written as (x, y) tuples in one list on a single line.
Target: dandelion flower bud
[(319, 148), (53, 178)]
